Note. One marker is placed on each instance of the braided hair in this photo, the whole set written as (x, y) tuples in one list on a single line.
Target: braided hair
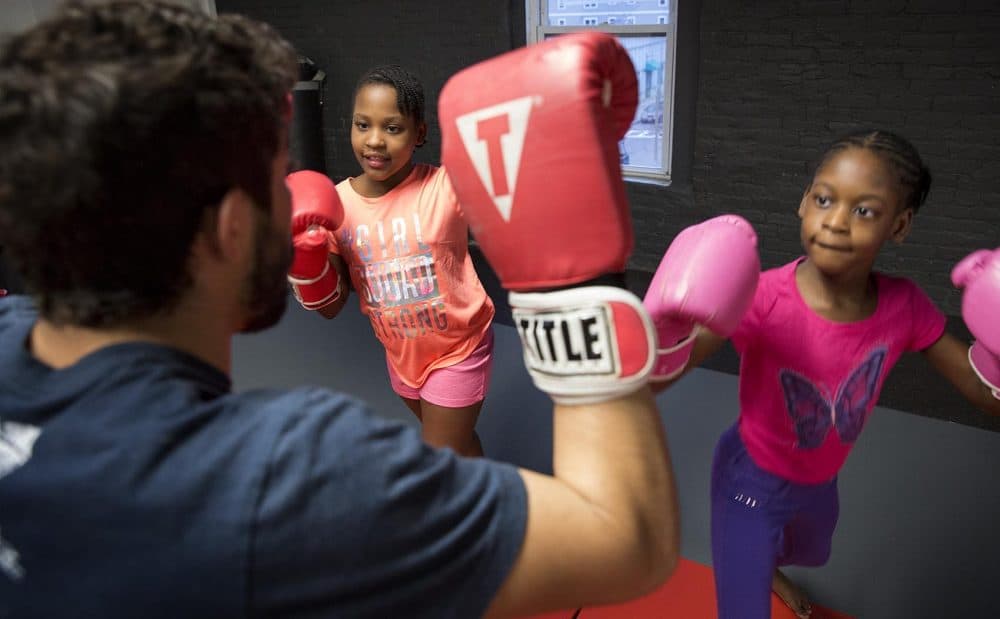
[(897, 153), (409, 90)]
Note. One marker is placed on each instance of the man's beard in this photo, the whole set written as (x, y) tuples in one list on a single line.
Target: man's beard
[(265, 290)]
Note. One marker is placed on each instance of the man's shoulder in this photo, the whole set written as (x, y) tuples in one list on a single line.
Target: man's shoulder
[(303, 417), (299, 405), (15, 309)]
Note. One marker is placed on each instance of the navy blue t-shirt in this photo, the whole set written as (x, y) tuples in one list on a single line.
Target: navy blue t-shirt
[(136, 484)]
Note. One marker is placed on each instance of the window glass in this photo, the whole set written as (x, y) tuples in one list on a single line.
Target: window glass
[(646, 30), (644, 141)]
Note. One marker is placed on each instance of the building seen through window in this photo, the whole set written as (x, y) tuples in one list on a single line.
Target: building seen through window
[(646, 29), (596, 12)]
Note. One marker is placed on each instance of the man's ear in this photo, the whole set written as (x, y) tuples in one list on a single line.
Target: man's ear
[(231, 236), (901, 225)]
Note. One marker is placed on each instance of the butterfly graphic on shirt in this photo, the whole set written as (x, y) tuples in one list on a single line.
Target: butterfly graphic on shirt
[(813, 413)]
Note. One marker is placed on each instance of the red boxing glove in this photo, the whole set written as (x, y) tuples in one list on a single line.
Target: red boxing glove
[(530, 142), (538, 129), (316, 211)]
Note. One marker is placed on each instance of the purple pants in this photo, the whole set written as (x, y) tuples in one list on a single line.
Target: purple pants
[(761, 521)]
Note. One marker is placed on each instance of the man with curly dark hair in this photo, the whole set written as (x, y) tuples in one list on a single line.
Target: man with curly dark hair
[(143, 154)]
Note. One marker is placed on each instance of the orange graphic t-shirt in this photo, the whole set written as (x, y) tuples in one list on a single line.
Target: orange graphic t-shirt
[(408, 256)]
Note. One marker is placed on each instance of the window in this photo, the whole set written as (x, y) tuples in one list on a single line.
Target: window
[(647, 30)]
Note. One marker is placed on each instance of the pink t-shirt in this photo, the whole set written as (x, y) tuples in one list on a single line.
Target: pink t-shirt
[(808, 384), (407, 253)]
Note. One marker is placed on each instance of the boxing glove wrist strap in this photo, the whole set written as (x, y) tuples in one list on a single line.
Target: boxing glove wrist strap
[(317, 292), (985, 364), (672, 360), (585, 345)]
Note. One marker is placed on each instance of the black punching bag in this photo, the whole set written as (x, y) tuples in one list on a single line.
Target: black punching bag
[(306, 135)]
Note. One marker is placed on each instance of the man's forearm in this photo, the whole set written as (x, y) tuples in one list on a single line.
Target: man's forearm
[(614, 455)]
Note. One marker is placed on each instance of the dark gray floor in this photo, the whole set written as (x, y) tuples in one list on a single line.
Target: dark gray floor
[(919, 500)]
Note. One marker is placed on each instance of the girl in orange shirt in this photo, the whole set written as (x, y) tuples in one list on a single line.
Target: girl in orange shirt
[(404, 243)]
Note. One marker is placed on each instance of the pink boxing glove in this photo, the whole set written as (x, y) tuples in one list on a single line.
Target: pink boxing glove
[(707, 277), (316, 211), (979, 274)]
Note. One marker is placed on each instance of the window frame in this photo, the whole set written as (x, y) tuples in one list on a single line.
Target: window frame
[(536, 14)]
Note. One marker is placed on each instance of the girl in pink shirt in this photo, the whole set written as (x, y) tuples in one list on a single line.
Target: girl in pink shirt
[(404, 244), (815, 348)]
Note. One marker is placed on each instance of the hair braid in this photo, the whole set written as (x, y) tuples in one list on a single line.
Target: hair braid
[(898, 153), (409, 91)]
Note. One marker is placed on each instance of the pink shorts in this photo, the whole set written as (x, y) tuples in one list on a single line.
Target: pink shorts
[(462, 384)]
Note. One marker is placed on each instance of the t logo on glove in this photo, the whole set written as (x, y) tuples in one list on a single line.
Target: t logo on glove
[(494, 139)]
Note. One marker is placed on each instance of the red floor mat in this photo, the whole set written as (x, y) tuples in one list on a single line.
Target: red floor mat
[(689, 594)]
